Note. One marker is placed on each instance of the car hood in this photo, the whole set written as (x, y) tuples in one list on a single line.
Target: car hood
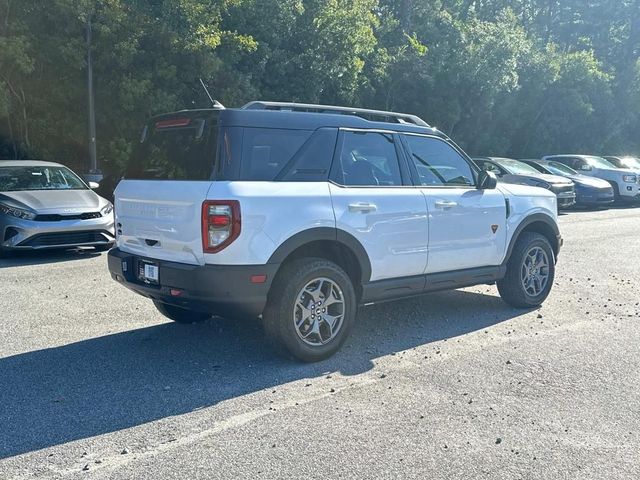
[(550, 179), (59, 201), (619, 171), (589, 181)]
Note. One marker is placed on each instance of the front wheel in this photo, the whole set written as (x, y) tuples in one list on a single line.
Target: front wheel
[(180, 315), (311, 309), (530, 272), (616, 193)]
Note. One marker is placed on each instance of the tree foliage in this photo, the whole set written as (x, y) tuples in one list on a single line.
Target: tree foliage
[(504, 77)]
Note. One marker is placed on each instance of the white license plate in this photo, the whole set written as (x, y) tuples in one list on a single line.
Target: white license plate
[(151, 272)]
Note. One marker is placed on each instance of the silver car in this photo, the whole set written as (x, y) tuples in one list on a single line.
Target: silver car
[(45, 205)]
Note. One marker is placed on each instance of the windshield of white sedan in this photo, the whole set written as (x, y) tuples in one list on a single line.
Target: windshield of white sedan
[(517, 168), (15, 179)]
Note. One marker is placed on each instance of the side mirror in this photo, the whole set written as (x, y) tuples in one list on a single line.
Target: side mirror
[(487, 180), (94, 185)]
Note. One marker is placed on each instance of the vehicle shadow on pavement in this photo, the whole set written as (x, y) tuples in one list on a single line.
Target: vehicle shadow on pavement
[(41, 257), (100, 385)]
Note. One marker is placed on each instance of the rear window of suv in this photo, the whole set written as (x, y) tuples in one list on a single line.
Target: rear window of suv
[(179, 148)]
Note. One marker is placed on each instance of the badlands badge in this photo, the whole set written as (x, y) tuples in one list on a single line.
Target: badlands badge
[(494, 228)]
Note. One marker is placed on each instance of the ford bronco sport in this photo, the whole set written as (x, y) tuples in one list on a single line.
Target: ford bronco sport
[(299, 214)]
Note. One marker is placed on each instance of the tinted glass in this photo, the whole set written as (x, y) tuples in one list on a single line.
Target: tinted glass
[(368, 159), (312, 162), (266, 151), (617, 162), (599, 162), (490, 167), (515, 167), (630, 162), (560, 169), (176, 153), (539, 168), (438, 163), (570, 162), (14, 179)]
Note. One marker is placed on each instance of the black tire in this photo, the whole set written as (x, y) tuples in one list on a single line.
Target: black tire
[(616, 193), (278, 316), (511, 287), (180, 315)]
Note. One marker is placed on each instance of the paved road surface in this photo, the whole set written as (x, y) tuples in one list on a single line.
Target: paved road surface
[(94, 383)]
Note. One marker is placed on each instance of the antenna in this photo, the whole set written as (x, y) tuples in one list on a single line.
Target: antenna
[(214, 103)]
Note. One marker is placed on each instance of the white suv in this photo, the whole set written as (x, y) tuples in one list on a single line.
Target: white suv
[(299, 214), (625, 181)]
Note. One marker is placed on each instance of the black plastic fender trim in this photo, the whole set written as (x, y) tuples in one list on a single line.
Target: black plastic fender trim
[(530, 220), (324, 233)]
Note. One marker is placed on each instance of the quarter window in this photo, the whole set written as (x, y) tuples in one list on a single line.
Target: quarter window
[(266, 151), (368, 159), (438, 163)]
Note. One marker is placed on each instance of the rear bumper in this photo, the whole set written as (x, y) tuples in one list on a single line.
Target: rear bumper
[(224, 290)]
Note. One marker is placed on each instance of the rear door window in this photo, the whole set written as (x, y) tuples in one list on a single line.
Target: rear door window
[(367, 159)]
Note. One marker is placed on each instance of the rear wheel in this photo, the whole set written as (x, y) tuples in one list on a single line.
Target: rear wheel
[(311, 309), (180, 315), (530, 272)]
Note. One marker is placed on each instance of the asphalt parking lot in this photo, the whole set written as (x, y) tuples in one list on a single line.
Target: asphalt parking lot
[(94, 383)]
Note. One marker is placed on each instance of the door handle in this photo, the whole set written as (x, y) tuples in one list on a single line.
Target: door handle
[(362, 207), (445, 204)]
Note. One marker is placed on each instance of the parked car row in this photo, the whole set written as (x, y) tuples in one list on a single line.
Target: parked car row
[(581, 180)]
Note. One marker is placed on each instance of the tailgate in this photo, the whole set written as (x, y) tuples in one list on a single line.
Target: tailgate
[(161, 219)]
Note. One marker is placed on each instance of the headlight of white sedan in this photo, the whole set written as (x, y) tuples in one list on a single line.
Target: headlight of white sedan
[(17, 212), (107, 209), (538, 183)]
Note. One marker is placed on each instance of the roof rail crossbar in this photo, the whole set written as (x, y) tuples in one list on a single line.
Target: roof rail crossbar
[(360, 112)]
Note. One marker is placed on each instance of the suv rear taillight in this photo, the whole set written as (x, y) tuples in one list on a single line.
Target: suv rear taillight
[(220, 224)]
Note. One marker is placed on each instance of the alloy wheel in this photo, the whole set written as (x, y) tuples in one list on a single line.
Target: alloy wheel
[(319, 311), (535, 271)]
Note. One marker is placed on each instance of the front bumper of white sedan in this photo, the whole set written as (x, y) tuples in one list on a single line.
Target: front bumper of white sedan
[(89, 229)]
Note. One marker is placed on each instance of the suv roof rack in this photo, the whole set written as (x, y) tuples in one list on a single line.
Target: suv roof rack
[(391, 117)]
